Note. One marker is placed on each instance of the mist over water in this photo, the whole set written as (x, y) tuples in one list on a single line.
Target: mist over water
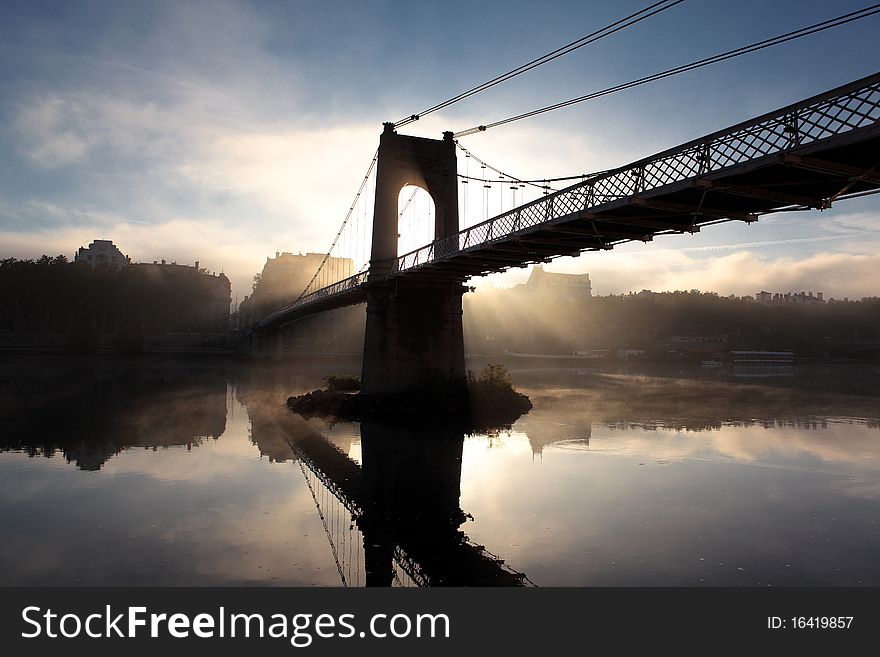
[(193, 472)]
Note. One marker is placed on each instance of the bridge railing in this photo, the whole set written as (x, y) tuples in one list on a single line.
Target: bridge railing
[(838, 111), (340, 286)]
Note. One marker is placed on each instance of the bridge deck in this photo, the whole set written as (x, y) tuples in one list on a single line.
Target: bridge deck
[(806, 155), (811, 177)]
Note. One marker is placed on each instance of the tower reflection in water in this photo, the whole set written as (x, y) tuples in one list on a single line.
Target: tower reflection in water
[(403, 502)]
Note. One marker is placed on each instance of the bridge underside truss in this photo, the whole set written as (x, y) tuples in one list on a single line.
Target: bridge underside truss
[(804, 156)]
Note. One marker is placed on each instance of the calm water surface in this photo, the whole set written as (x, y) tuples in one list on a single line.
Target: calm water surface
[(192, 472)]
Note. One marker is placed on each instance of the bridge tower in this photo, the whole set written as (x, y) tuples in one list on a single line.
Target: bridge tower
[(413, 330)]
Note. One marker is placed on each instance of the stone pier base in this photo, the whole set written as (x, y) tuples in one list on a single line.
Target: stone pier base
[(413, 335)]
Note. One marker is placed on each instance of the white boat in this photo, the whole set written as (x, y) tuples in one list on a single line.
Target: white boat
[(763, 357)]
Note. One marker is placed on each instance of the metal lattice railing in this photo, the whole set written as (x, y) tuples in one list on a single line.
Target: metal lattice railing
[(841, 110), (344, 285)]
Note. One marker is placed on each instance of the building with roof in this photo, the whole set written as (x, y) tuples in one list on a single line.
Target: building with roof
[(801, 298), (284, 278), (573, 286), (102, 253)]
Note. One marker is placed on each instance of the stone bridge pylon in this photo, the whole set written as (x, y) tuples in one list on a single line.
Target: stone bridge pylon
[(413, 328)]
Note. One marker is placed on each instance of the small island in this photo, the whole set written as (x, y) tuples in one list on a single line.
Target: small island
[(474, 403)]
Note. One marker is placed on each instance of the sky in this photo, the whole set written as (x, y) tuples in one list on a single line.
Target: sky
[(225, 131)]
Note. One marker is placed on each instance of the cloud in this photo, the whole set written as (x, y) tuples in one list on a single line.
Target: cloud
[(742, 272), (307, 176), (171, 182), (234, 250), (50, 141), (58, 129), (867, 223)]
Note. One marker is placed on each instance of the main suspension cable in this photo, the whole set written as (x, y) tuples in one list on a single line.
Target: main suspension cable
[(714, 59), (342, 227), (608, 30)]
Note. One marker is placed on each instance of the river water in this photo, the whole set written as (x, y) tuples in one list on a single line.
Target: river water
[(193, 473)]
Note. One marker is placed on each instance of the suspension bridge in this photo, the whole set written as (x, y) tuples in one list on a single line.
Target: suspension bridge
[(805, 156)]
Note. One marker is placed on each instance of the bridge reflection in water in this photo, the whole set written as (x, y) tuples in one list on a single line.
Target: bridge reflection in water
[(395, 520)]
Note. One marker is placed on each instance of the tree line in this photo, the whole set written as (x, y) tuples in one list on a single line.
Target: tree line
[(514, 320), (51, 301)]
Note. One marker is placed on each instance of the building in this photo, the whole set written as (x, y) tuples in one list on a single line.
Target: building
[(544, 315), (102, 252), (570, 286), (203, 298), (800, 298), (284, 278)]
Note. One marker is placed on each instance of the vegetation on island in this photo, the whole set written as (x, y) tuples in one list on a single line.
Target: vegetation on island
[(479, 401), (345, 383)]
